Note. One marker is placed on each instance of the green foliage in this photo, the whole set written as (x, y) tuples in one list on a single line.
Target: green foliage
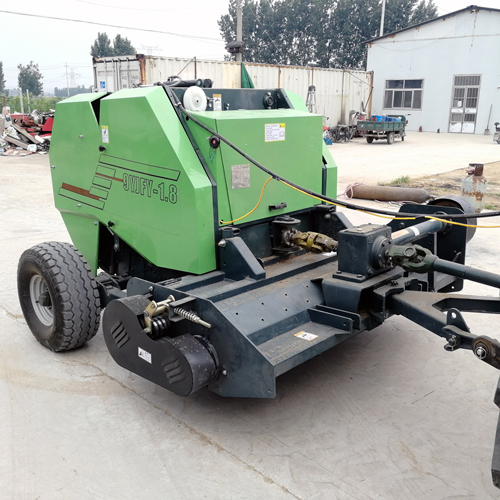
[(2, 79), (423, 12), (79, 89), (400, 181), (30, 78), (42, 104), (325, 33), (103, 47), (122, 46)]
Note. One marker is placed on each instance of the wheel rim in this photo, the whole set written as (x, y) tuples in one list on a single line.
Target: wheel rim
[(38, 287)]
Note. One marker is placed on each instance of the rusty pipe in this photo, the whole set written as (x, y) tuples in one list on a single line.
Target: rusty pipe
[(387, 193)]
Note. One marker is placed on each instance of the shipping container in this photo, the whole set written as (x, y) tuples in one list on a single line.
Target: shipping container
[(333, 93)]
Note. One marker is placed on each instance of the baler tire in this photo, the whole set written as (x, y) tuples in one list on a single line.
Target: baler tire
[(58, 274), (369, 140)]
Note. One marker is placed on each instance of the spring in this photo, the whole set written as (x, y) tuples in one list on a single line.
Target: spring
[(159, 327), (191, 316)]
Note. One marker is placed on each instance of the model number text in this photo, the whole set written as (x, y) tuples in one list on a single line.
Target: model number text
[(146, 187)]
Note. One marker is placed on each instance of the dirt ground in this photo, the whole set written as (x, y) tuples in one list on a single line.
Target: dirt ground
[(436, 162), (450, 183)]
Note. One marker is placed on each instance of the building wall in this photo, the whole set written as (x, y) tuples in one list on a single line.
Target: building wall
[(460, 44), (337, 91)]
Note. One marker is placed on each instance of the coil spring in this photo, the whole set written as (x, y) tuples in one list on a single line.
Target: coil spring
[(191, 316), (159, 327)]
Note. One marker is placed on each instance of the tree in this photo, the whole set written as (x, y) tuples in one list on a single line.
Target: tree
[(102, 46), (325, 33), (30, 78), (423, 12), (122, 46), (2, 79)]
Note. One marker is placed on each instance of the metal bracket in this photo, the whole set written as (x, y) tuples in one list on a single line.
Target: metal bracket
[(457, 332)]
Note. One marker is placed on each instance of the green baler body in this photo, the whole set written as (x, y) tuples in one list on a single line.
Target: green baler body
[(152, 181)]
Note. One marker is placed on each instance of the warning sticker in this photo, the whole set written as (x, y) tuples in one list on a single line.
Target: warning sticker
[(275, 132), (145, 355), (217, 102), (306, 336), (105, 133)]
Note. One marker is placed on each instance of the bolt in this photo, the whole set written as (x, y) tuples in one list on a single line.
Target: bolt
[(78, 204), (80, 136), (224, 372), (394, 283), (95, 223), (360, 275), (222, 243), (480, 352), (52, 166), (328, 216), (401, 225), (453, 341), (339, 272), (151, 288)]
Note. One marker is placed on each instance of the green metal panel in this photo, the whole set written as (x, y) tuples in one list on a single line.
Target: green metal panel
[(84, 233), (331, 166), (296, 154), (75, 129), (148, 182)]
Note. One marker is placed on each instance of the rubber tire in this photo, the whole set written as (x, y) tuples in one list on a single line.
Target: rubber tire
[(76, 306), (403, 138), (390, 138), (369, 140)]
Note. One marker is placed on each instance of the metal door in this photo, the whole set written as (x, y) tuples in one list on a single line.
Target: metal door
[(465, 97)]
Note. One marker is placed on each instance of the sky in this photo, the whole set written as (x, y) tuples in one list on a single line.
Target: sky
[(62, 48)]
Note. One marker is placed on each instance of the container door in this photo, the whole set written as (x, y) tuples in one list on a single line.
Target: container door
[(465, 97)]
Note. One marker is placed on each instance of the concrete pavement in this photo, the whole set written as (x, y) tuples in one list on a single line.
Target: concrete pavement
[(388, 415)]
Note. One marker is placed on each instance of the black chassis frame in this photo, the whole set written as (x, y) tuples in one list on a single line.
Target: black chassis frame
[(272, 307)]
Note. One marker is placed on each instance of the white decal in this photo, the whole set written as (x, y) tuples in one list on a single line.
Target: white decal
[(306, 336), (217, 102), (145, 355), (275, 132), (105, 134)]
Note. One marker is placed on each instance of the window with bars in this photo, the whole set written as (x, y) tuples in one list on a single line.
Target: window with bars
[(402, 94)]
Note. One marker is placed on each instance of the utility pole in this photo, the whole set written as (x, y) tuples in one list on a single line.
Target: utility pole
[(29, 104), (239, 29), (382, 19), (21, 99), (67, 81)]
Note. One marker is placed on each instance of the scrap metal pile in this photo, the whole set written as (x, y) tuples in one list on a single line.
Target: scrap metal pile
[(24, 134)]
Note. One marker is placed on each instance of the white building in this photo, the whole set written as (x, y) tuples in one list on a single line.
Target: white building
[(444, 73)]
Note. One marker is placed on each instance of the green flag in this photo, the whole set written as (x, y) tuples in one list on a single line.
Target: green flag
[(246, 81)]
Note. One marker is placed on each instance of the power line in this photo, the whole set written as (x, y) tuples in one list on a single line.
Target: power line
[(205, 39), (131, 8)]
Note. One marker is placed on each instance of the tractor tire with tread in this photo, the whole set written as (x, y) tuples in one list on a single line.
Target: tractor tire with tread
[(390, 138), (59, 296), (369, 140)]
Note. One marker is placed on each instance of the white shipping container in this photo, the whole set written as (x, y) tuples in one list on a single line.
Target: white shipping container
[(337, 91)]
